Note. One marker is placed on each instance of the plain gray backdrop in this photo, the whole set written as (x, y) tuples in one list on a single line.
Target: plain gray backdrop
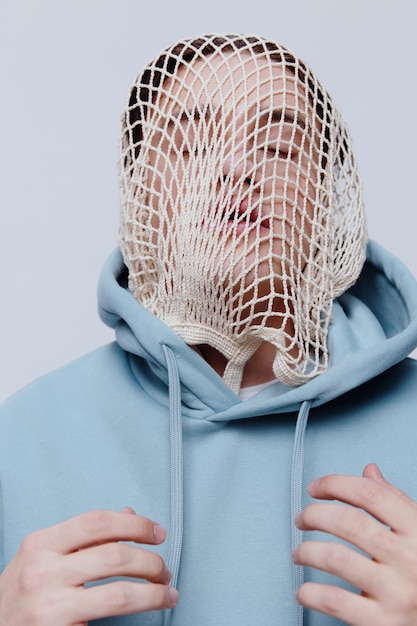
[(66, 71)]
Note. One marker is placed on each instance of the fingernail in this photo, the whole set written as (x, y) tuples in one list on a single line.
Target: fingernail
[(159, 532), (312, 487), (294, 555), (168, 576), (173, 597), (297, 519)]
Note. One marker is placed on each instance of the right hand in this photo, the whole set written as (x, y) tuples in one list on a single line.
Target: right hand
[(44, 584)]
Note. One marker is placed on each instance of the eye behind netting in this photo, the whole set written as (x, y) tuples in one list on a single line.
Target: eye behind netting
[(277, 151)]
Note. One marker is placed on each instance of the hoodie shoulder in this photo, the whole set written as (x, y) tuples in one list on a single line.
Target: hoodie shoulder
[(393, 393), (88, 377)]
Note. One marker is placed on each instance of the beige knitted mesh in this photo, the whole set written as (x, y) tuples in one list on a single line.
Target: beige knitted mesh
[(242, 212)]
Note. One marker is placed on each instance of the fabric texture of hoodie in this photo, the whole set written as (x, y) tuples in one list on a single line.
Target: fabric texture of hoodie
[(145, 422)]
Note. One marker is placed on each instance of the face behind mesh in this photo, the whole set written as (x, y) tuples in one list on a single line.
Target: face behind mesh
[(242, 212)]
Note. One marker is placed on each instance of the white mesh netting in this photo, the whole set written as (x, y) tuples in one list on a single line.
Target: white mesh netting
[(242, 212)]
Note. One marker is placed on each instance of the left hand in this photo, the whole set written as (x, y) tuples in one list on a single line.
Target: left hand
[(388, 580)]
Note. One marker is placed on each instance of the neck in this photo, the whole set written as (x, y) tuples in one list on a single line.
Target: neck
[(258, 368)]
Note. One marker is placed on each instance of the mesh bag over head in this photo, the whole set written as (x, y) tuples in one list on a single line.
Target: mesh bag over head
[(242, 214)]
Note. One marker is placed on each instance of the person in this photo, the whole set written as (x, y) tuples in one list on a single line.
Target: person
[(161, 479)]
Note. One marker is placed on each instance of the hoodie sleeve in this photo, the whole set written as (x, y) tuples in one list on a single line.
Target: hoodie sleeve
[(2, 565)]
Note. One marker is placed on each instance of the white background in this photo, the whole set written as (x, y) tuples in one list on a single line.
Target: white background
[(66, 70)]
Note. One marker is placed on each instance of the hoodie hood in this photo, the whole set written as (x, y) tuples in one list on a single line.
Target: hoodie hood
[(374, 326)]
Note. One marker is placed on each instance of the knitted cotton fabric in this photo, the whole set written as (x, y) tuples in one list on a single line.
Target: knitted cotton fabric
[(242, 215)]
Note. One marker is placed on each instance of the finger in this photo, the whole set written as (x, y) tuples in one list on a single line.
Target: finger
[(128, 509), (114, 559), (348, 607), (372, 471), (96, 527), (338, 559), (122, 598), (352, 525), (376, 498)]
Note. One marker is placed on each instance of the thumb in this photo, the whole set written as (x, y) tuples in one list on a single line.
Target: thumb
[(373, 472), (128, 509)]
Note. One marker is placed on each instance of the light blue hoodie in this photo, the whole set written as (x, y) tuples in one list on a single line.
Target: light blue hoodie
[(145, 422)]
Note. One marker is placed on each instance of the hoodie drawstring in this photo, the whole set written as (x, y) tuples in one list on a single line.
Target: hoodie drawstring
[(176, 473), (297, 471), (176, 478)]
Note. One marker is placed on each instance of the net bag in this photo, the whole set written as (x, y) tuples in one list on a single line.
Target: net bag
[(242, 215)]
